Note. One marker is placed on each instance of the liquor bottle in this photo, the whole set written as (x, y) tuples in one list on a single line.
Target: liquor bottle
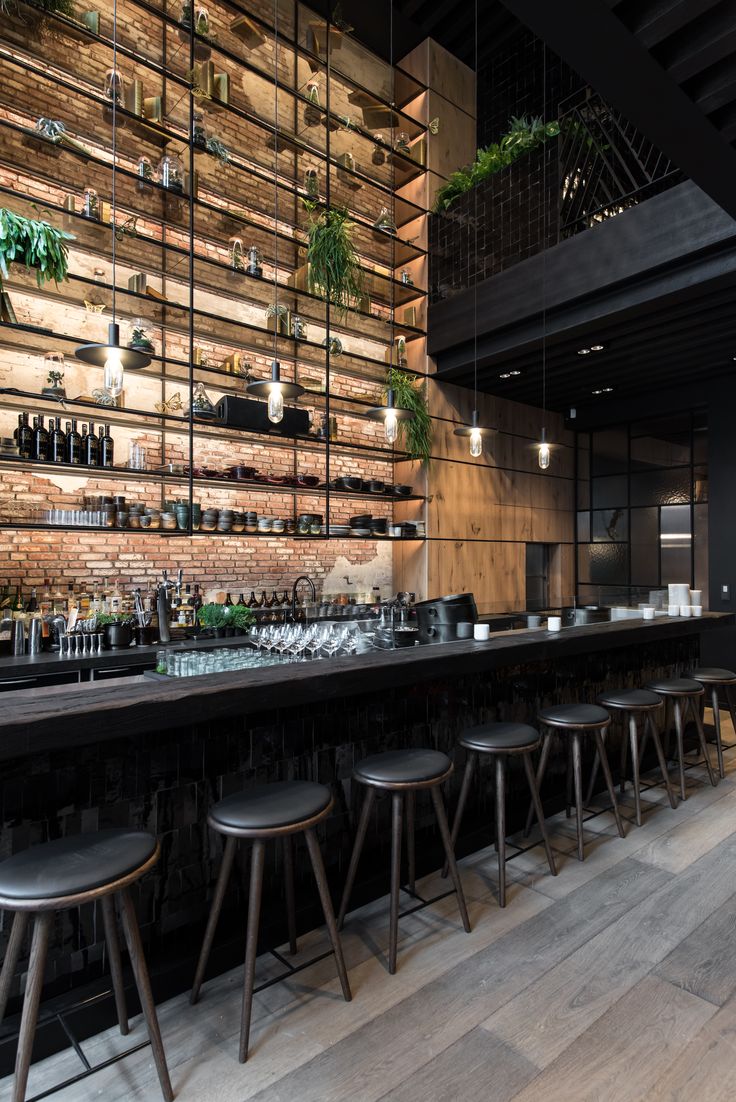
[(46, 602), (107, 448), (263, 600), (252, 600), (91, 448), (71, 598), (228, 601), (57, 445), (58, 601), (41, 442), (197, 601), (241, 600), (25, 438), (83, 443), (96, 602), (83, 601), (285, 599), (73, 444), (115, 600), (17, 605), (32, 605), (275, 603)]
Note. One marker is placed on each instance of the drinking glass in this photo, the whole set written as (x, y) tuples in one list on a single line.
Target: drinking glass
[(136, 456)]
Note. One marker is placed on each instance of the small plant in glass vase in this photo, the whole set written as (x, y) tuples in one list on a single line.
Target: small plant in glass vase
[(141, 341), (55, 385), (202, 50)]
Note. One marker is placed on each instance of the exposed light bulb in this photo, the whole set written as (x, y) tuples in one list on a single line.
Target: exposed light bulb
[(112, 375), (476, 442), (275, 404), (543, 455), (391, 426)]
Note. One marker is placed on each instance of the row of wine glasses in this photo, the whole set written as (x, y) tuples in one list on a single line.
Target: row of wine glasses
[(312, 641)]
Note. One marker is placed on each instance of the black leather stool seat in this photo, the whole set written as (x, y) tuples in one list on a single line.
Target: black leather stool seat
[(574, 715), (80, 863), (402, 767), (712, 673), (676, 686), (630, 698), (499, 737), (270, 806)]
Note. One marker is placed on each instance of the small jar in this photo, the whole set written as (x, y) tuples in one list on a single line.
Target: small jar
[(90, 203), (235, 251), (255, 266), (378, 156), (144, 168), (112, 88), (171, 173), (311, 182), (199, 130)]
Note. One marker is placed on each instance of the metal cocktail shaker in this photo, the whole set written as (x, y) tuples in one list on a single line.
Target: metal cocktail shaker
[(19, 637), (35, 636)]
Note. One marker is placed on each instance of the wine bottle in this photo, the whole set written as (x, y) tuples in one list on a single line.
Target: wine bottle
[(25, 438), (57, 446), (252, 600), (73, 444), (274, 600), (263, 602), (107, 448), (32, 605), (40, 441), (91, 448), (241, 599)]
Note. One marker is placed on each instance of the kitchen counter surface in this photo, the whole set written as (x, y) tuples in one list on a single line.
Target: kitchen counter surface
[(40, 719)]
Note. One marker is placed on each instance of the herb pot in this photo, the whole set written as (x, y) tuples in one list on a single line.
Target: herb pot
[(118, 636)]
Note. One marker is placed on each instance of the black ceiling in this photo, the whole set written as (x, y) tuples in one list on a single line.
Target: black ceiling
[(451, 23)]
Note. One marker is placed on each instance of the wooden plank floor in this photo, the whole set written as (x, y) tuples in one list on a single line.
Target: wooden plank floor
[(614, 980)]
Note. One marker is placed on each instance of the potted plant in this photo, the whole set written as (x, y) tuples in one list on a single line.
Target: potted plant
[(35, 243), (408, 393), (214, 617), (333, 269), (140, 341), (241, 618), (54, 385), (278, 319), (118, 629)]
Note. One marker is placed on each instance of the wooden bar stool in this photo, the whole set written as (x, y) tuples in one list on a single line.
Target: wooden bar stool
[(262, 812), (633, 704), (714, 679), (577, 721), (65, 873), (403, 773), (684, 691), (501, 741)]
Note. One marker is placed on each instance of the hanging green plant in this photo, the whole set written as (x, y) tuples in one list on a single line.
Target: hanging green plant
[(334, 271), (35, 243), (523, 135), (409, 394), (218, 149), (54, 7)]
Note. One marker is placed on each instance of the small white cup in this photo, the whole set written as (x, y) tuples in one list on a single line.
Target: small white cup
[(554, 623), (697, 610), (647, 612), (696, 597), (673, 610), (685, 610), (481, 632)]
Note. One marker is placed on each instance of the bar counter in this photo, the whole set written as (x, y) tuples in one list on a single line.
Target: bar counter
[(155, 755)]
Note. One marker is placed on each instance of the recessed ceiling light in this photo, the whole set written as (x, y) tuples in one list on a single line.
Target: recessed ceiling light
[(597, 347), (514, 373), (583, 351), (505, 375), (603, 390)]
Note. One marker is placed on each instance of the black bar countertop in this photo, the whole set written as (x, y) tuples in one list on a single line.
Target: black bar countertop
[(40, 719)]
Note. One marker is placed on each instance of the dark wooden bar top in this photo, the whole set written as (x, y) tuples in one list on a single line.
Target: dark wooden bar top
[(64, 716)]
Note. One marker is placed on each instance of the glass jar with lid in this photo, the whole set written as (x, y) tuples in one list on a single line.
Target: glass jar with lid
[(171, 172)]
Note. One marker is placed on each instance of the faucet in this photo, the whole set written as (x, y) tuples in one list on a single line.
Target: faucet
[(162, 605), (308, 580)]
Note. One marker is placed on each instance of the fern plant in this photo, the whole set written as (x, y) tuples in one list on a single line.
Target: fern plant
[(409, 394), (35, 243), (334, 270), (523, 135)]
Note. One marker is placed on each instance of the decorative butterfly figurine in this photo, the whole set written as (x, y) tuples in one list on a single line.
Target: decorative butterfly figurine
[(171, 405), (94, 307)]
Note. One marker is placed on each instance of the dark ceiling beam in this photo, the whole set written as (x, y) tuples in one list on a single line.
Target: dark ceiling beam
[(651, 23), (597, 45), (701, 44)]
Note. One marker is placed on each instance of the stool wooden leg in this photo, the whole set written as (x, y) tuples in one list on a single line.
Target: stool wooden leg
[(717, 726), (593, 779), (143, 984), (634, 738), (12, 955), (470, 764), (315, 854), (34, 984), (501, 826), (393, 934), (251, 943), (577, 766), (680, 746), (731, 698), (529, 769), (411, 852), (439, 809), (209, 935), (116, 969), (695, 709), (609, 782), (288, 848), (624, 761), (546, 746), (365, 815), (651, 726), (568, 782)]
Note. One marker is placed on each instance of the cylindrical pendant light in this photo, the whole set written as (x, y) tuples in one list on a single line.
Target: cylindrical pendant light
[(390, 414), (275, 389)]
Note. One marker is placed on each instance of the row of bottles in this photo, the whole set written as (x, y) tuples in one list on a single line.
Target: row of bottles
[(262, 602), (57, 445)]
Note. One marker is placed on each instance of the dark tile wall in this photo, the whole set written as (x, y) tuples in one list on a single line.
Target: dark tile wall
[(166, 782)]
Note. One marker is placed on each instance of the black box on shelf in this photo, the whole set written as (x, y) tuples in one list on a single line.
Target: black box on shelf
[(245, 413)]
